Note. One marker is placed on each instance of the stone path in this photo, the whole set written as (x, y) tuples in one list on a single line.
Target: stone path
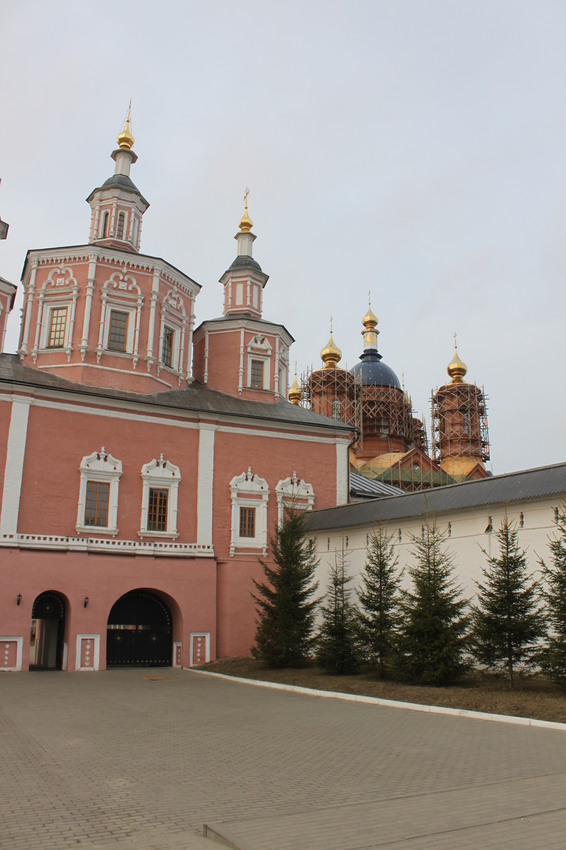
[(142, 759)]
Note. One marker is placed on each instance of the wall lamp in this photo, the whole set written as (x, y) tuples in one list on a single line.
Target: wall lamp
[(85, 601), (18, 599)]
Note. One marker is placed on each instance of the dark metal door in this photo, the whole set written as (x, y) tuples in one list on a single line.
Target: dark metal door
[(139, 632)]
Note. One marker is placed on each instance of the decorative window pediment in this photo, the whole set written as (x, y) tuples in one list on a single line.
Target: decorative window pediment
[(259, 358), (293, 493), (161, 480), (98, 493), (250, 495), (120, 316)]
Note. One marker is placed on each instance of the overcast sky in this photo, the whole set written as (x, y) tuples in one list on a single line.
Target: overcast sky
[(414, 148)]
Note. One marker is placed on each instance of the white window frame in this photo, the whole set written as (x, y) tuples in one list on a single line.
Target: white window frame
[(260, 349), (249, 491), (293, 493), (161, 475), (175, 348), (115, 306), (51, 305), (103, 468)]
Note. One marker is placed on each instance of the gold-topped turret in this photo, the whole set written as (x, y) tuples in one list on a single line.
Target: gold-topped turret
[(330, 354), (456, 368), (246, 223), (125, 138), (295, 391)]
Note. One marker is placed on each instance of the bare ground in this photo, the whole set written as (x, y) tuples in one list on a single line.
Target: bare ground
[(533, 696)]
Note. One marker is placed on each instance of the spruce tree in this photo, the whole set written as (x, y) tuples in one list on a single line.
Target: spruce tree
[(336, 641), (379, 599), (553, 655), (434, 629), (285, 603), (507, 620)]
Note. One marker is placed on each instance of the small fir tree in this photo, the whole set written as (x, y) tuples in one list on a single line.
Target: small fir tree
[(285, 603), (336, 640), (507, 620), (379, 604), (434, 629), (553, 655)]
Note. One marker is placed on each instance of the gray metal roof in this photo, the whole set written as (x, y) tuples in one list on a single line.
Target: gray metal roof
[(496, 490), (195, 397), (369, 488)]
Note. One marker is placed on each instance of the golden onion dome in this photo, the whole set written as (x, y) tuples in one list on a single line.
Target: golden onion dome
[(456, 368), (369, 321), (295, 392), (125, 138), (246, 223), (330, 354)]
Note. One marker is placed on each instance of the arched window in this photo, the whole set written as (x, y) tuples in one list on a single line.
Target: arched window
[(120, 226), (104, 226)]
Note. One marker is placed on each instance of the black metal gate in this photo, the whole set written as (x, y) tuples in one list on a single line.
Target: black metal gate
[(139, 632)]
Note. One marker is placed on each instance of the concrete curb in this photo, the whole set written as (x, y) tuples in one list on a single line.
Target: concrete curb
[(389, 703)]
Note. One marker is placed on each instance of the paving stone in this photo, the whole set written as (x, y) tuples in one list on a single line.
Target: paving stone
[(111, 760)]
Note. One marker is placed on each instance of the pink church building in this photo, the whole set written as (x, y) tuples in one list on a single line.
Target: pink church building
[(144, 463)]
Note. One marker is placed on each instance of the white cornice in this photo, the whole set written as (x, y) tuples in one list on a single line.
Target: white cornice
[(253, 325), (114, 256)]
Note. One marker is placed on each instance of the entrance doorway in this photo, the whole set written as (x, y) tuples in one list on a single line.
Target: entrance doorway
[(139, 632), (47, 632)]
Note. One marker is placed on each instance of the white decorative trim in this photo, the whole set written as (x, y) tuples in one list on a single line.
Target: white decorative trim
[(249, 491), (165, 476), (101, 544), (177, 647), (102, 467), (205, 482), (14, 466), (206, 636), (96, 652), (293, 493), (18, 639)]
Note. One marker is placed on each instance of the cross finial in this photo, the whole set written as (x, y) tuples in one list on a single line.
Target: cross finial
[(455, 341), (331, 326), (246, 193)]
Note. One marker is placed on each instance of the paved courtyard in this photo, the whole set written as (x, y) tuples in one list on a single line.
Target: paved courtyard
[(142, 759)]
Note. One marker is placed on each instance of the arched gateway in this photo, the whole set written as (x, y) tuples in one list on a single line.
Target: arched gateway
[(47, 632), (139, 631)]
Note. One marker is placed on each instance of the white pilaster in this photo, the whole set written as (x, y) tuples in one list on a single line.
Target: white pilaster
[(15, 453), (205, 483), (342, 466)]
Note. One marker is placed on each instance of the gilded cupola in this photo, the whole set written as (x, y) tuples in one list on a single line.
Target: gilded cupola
[(456, 368), (331, 354)]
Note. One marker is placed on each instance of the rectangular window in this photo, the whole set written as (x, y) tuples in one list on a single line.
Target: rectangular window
[(167, 346), (57, 325), (117, 330), (247, 522), (256, 375), (157, 509), (96, 506)]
